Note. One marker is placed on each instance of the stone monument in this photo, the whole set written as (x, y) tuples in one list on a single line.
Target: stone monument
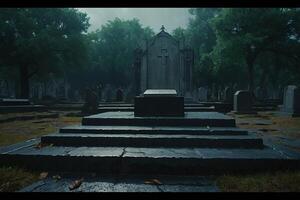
[(164, 63), (243, 102), (291, 101)]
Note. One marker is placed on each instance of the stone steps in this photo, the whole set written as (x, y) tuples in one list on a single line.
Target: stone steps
[(153, 130), (150, 140), (128, 160), (212, 119)]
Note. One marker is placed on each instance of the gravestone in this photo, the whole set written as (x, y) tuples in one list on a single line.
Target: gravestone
[(228, 95), (108, 93), (220, 94), (202, 94), (261, 93), (291, 101), (91, 102), (119, 95), (164, 63), (243, 102)]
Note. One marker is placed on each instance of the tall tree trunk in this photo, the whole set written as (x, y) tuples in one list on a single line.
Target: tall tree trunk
[(24, 82)]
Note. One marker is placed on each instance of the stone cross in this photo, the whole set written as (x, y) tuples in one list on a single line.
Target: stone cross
[(164, 53)]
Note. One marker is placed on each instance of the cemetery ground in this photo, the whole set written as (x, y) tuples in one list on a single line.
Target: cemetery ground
[(17, 127)]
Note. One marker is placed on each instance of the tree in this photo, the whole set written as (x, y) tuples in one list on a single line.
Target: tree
[(113, 46), (200, 35), (247, 33), (41, 40)]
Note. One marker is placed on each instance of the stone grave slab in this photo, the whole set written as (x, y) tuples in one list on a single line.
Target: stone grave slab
[(160, 93)]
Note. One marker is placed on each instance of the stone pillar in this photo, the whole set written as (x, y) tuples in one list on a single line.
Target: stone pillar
[(243, 102)]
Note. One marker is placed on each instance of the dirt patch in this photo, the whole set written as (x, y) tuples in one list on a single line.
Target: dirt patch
[(278, 125), (17, 131)]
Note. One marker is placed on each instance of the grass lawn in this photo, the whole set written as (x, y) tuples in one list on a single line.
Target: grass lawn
[(280, 181), (280, 125), (18, 131), (13, 179)]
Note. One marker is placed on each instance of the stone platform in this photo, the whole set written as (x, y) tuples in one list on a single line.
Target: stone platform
[(196, 144), (202, 119)]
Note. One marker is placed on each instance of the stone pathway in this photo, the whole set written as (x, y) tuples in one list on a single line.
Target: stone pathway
[(93, 183)]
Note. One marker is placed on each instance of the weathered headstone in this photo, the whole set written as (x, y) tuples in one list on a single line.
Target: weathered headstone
[(261, 93), (228, 95), (108, 93), (243, 102), (91, 102), (220, 94), (119, 95), (291, 101), (202, 92)]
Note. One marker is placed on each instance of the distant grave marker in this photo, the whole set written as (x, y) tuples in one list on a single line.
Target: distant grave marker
[(243, 102), (291, 103)]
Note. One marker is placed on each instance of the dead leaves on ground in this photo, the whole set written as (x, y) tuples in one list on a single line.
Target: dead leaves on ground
[(41, 145), (43, 175), (76, 184), (56, 177), (153, 182)]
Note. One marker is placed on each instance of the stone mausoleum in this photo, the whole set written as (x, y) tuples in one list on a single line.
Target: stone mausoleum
[(164, 63)]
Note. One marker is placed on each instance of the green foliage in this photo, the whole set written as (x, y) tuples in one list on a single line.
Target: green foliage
[(44, 40), (113, 46), (232, 45), (247, 34)]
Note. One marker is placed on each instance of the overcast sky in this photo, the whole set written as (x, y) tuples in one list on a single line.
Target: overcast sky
[(171, 18)]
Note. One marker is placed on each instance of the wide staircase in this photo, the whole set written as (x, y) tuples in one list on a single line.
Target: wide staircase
[(122, 143)]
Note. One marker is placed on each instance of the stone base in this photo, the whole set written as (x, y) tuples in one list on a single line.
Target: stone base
[(211, 119), (128, 160), (158, 106)]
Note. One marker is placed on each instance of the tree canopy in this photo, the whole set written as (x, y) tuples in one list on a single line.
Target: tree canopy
[(248, 47)]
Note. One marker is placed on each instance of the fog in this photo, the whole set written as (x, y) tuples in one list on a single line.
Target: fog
[(171, 18)]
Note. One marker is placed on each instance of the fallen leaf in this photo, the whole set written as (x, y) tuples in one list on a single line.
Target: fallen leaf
[(153, 181), (41, 145), (75, 184), (38, 146), (56, 177), (43, 175)]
